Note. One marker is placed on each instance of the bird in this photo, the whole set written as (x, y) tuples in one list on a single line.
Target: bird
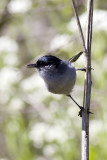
[(59, 75)]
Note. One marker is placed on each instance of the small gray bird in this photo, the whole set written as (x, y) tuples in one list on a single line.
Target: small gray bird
[(58, 75)]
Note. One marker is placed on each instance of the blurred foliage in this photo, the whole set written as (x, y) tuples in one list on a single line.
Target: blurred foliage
[(35, 124)]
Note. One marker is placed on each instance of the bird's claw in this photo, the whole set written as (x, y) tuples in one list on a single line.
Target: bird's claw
[(81, 110), (84, 69)]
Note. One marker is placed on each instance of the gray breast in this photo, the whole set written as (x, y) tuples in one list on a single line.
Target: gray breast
[(60, 80)]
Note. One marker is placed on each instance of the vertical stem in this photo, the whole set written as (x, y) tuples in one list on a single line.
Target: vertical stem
[(87, 85), (79, 25)]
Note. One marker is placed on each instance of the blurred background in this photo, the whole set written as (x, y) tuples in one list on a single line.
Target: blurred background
[(35, 124)]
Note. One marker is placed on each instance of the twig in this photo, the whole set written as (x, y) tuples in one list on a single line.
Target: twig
[(87, 85), (79, 26)]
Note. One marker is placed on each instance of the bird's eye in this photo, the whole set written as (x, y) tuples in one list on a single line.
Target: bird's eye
[(41, 63)]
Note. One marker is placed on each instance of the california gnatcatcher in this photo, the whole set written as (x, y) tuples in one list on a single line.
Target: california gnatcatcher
[(58, 75)]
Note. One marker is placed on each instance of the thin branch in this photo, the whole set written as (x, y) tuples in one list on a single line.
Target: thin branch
[(87, 85), (79, 25), (88, 56)]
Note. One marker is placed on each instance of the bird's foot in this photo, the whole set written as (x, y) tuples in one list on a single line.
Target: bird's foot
[(81, 110), (84, 69)]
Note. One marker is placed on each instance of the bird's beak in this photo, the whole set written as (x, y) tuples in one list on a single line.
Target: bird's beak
[(31, 65)]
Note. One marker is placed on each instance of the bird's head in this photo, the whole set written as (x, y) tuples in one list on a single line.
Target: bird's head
[(44, 62)]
